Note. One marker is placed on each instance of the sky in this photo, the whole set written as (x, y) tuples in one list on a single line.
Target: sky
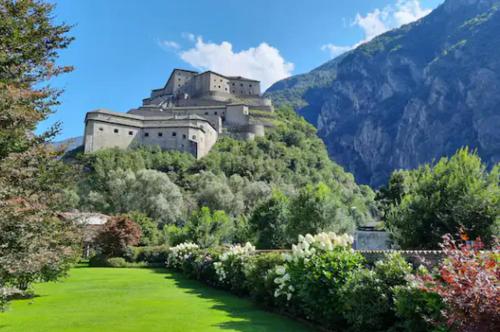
[(125, 48)]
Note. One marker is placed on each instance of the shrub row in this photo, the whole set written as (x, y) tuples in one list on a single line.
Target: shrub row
[(153, 256), (321, 280)]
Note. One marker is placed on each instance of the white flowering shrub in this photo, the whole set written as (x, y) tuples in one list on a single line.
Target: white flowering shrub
[(181, 253), (231, 265), (307, 246), (313, 273)]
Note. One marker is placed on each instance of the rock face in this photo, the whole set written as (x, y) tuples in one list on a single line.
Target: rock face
[(411, 95)]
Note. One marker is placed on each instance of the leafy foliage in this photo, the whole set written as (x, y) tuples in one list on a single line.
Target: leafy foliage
[(367, 295), (209, 229), (148, 191), (467, 282), (35, 244), (150, 234), (317, 209), (29, 42), (455, 195), (269, 222), (118, 233), (259, 277)]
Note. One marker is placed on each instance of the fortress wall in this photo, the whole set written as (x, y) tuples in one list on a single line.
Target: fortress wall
[(237, 115), (101, 135), (107, 130), (240, 87), (217, 83)]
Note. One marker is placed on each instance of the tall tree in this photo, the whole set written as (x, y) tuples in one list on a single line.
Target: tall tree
[(456, 195), (36, 245)]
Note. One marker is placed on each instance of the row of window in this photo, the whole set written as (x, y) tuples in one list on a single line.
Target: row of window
[(241, 84), (233, 91), (160, 134)]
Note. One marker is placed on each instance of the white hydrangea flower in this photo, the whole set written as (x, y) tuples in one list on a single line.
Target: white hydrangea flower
[(307, 246)]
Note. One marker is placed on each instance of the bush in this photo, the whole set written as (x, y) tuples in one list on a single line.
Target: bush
[(260, 274), (103, 261), (149, 229), (118, 233), (155, 255), (313, 274), (231, 265), (116, 262), (98, 261), (178, 255), (367, 295), (205, 267), (416, 310), (468, 283), (174, 235)]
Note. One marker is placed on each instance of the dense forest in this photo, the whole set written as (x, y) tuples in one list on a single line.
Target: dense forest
[(288, 173)]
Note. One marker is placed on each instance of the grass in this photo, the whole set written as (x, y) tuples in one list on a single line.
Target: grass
[(105, 299)]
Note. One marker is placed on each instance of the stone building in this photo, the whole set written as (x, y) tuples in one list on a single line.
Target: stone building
[(188, 114)]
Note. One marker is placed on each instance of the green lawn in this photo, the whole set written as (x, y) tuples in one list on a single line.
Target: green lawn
[(113, 300)]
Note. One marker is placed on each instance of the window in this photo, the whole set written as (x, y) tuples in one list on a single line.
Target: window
[(116, 130), (146, 134), (174, 134), (221, 79), (250, 85), (215, 113), (101, 128), (130, 132), (194, 136), (184, 137), (225, 89), (219, 86), (160, 134), (233, 84), (241, 84), (206, 113)]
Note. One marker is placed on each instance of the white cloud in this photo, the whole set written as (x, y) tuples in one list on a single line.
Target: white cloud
[(263, 63), (169, 45), (409, 11), (381, 20), (335, 50)]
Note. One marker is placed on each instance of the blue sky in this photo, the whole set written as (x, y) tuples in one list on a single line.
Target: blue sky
[(125, 48)]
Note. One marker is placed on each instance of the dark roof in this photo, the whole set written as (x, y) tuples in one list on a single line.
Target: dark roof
[(186, 70)]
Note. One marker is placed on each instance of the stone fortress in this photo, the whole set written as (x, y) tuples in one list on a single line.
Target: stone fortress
[(188, 114)]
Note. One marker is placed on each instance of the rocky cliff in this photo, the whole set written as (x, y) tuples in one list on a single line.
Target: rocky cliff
[(410, 95)]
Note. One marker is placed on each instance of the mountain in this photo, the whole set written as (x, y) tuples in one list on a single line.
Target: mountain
[(69, 143), (411, 95)]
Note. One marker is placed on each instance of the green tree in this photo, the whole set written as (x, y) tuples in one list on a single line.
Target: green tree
[(149, 229), (209, 229), (269, 222), (35, 244), (147, 191), (315, 209), (456, 195)]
